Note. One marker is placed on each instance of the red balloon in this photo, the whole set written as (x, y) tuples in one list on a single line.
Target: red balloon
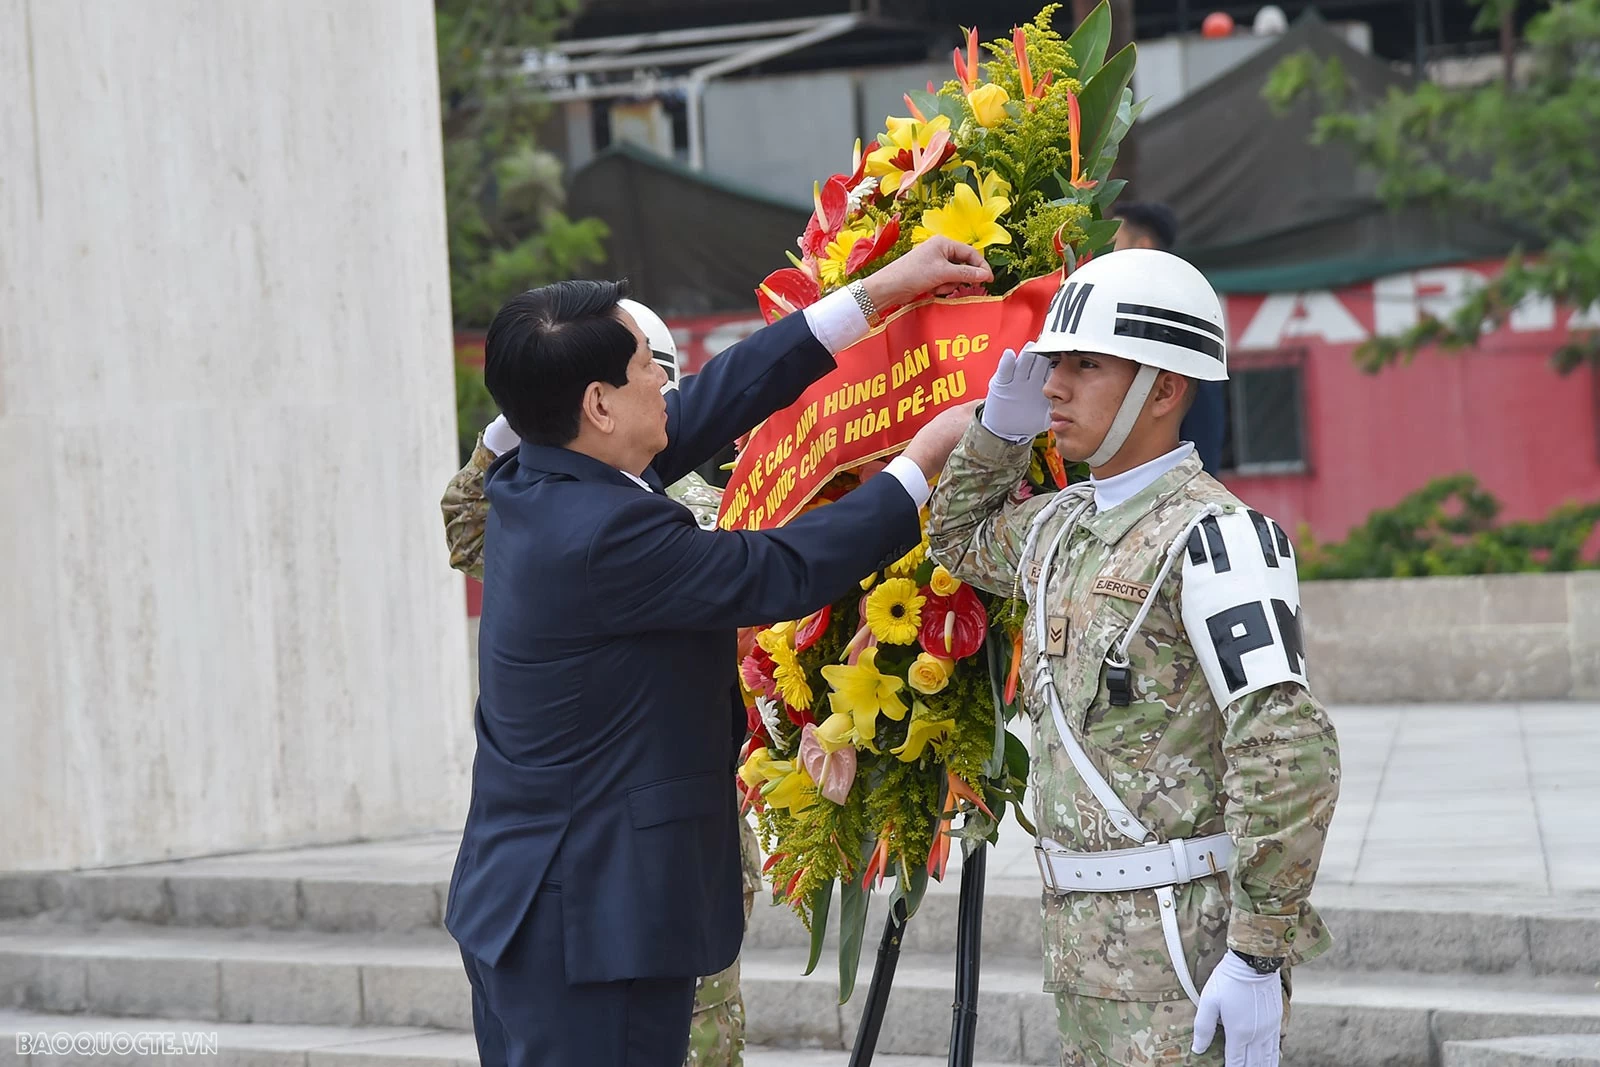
[(1217, 24)]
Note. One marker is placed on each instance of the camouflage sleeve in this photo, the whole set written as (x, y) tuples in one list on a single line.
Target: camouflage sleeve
[(974, 528), (1282, 782), (466, 510)]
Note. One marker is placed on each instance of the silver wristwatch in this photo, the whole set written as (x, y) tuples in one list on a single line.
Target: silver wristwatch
[(864, 302)]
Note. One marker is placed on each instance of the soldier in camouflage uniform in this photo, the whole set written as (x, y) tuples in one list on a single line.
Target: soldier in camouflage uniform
[(1179, 759), (716, 1035)]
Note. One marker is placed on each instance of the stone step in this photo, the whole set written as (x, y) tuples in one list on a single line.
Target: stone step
[(258, 1045), (1549, 1050), (1428, 931), (252, 976), (347, 889)]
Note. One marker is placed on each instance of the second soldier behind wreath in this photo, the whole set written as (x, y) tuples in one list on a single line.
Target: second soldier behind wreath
[(1183, 775)]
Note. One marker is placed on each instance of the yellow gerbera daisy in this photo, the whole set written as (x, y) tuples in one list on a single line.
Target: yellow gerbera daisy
[(793, 686), (907, 564), (894, 611)]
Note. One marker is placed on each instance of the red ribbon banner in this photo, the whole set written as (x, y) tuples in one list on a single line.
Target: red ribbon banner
[(885, 388)]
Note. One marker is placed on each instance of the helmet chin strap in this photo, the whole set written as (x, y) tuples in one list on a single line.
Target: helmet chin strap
[(1127, 415)]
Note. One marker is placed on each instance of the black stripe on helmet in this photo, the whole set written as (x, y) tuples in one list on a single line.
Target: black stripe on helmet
[(1146, 311), (1170, 335)]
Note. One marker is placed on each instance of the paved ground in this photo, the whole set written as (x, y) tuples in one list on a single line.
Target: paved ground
[(1473, 797), (1468, 799)]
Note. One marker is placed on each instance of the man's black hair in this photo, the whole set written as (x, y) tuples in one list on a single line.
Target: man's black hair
[(1156, 220), (544, 349)]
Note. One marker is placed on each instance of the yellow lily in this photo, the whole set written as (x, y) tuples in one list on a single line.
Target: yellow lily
[(921, 733), (966, 219), (794, 791), (836, 731), (895, 158), (759, 767), (862, 692)]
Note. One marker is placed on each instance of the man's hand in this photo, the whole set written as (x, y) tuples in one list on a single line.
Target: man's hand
[(938, 265), (934, 442), (1250, 1008), (1016, 408)]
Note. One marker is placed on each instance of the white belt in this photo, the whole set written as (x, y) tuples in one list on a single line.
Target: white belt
[(1160, 867), (1122, 869)]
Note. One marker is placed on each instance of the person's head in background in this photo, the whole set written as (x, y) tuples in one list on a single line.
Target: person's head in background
[(1146, 225)]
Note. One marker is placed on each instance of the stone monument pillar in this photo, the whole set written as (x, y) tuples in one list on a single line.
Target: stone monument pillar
[(226, 415)]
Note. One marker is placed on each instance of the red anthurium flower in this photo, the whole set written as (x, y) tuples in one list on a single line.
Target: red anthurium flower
[(953, 626), (866, 250), (832, 203), (811, 628), (967, 66), (786, 291), (755, 727), (799, 716)]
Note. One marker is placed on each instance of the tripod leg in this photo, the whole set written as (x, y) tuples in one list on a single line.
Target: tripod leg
[(878, 993), (969, 956)]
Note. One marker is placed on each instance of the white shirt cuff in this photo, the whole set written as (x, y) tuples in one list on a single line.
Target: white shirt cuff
[(837, 321), (907, 473), (499, 437)]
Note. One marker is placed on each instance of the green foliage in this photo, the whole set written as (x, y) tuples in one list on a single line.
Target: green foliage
[(503, 195), (1448, 527), (1524, 153), (475, 408)]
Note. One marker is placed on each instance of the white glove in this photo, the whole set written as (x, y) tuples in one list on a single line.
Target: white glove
[(1250, 1007), (499, 437), (1016, 408)]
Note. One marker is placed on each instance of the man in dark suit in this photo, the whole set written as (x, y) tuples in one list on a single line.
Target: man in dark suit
[(1152, 225), (599, 869)]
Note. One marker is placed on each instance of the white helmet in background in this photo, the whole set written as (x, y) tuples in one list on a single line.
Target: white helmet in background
[(658, 337), (1142, 305)]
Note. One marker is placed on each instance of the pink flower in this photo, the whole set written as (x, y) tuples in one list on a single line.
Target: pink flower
[(834, 772)]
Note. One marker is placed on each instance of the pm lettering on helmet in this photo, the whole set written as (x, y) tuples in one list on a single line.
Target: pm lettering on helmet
[(1066, 310), (1241, 604)]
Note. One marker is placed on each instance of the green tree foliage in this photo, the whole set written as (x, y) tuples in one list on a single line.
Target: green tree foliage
[(1448, 527), (1523, 152), (503, 195)]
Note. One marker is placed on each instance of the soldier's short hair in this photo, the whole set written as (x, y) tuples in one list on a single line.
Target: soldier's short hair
[(544, 349)]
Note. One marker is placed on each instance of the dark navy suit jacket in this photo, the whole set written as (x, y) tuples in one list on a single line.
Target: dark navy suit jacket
[(608, 720)]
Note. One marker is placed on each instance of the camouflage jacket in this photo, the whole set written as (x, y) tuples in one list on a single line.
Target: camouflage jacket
[(1265, 768), (466, 511)]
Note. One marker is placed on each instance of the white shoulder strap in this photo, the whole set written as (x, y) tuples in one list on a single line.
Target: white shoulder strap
[(1122, 820)]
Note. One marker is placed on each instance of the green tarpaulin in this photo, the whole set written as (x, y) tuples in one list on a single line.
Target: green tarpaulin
[(1261, 209)]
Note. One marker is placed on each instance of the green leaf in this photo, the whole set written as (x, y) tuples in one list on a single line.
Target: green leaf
[(931, 104), (853, 901), (1016, 757), (1099, 101), (911, 888), (821, 900), (1108, 193), (997, 651), (1090, 40), (1097, 234)]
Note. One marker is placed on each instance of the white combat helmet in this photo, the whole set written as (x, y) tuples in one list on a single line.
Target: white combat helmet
[(658, 337), (1142, 305)]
